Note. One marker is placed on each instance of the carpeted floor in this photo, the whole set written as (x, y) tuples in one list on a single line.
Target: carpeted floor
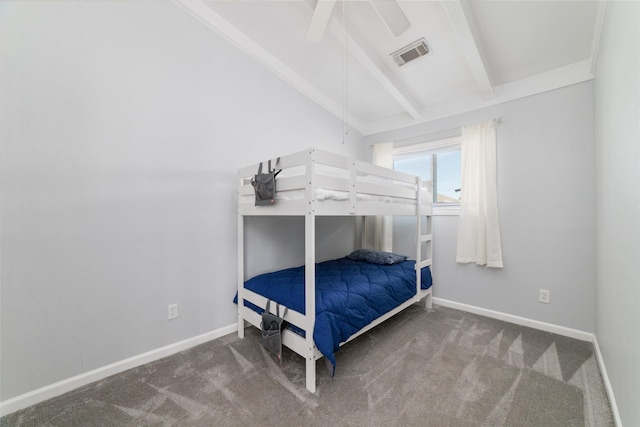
[(440, 367)]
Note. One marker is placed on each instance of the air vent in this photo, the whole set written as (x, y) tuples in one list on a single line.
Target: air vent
[(408, 53)]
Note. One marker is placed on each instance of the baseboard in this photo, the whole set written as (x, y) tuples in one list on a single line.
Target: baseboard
[(607, 383), (64, 386), (536, 324), (548, 327)]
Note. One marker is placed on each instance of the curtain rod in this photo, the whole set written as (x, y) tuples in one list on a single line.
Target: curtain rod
[(497, 121)]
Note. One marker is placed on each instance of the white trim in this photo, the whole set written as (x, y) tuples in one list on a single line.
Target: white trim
[(453, 210), (457, 11), (607, 383), (56, 389), (380, 74), (461, 20), (597, 34), (548, 327), (536, 324), (229, 32), (418, 145), (568, 75)]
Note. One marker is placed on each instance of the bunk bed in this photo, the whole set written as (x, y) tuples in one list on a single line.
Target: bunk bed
[(317, 183)]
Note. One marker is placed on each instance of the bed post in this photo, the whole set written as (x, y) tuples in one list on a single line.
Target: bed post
[(310, 299), (428, 303), (418, 239), (240, 273), (429, 255), (310, 276), (427, 237)]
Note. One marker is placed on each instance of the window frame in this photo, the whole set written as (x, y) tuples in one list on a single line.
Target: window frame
[(438, 209)]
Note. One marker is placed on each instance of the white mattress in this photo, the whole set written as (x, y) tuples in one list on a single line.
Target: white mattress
[(322, 194)]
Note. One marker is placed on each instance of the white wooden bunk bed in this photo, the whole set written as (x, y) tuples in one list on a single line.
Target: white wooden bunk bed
[(317, 183)]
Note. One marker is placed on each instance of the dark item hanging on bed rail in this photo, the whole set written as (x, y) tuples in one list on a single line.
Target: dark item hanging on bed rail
[(264, 185), (272, 326)]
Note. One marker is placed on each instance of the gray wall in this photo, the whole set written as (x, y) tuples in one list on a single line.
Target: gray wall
[(267, 247), (617, 135), (546, 207), (122, 125)]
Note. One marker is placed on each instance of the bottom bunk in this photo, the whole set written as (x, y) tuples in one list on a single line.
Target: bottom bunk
[(353, 294)]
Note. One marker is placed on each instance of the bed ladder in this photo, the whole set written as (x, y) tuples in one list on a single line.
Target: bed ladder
[(424, 244)]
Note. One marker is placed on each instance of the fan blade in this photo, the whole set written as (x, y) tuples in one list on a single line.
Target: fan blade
[(392, 15), (319, 20)]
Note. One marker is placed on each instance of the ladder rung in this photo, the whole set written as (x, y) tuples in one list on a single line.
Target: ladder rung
[(425, 263)]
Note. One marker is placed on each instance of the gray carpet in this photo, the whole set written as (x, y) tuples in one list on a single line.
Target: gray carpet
[(440, 367)]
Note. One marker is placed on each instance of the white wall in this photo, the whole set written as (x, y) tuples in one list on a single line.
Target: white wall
[(122, 125), (617, 136), (546, 207)]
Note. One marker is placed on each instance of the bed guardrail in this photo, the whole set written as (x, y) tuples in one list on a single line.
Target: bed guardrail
[(344, 186)]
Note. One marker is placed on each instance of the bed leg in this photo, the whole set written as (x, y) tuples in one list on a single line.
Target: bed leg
[(428, 302), (311, 374), (240, 326)]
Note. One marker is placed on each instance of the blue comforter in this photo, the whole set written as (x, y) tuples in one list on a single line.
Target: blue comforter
[(349, 295)]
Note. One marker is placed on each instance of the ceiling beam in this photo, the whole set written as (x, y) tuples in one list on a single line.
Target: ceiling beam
[(597, 33), (557, 78), (319, 20), (460, 18), (229, 32), (381, 75)]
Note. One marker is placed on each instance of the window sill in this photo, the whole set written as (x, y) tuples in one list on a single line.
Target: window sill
[(446, 210)]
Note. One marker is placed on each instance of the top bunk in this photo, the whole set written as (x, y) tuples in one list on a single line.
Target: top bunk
[(315, 182)]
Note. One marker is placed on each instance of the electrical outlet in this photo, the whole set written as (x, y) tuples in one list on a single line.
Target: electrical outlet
[(173, 311), (544, 296)]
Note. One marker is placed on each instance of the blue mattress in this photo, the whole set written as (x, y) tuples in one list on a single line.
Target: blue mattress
[(349, 295)]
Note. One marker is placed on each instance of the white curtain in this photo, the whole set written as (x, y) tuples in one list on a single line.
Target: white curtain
[(383, 225), (478, 228)]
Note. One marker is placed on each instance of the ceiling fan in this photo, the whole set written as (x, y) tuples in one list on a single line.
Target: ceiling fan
[(388, 10)]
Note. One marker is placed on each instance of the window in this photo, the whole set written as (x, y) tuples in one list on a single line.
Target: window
[(436, 161)]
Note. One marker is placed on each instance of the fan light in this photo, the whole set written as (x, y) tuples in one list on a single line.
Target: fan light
[(392, 15), (388, 10)]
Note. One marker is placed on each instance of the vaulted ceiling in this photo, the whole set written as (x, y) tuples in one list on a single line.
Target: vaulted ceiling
[(481, 52)]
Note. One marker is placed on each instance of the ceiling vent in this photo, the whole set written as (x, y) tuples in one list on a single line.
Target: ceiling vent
[(408, 53)]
